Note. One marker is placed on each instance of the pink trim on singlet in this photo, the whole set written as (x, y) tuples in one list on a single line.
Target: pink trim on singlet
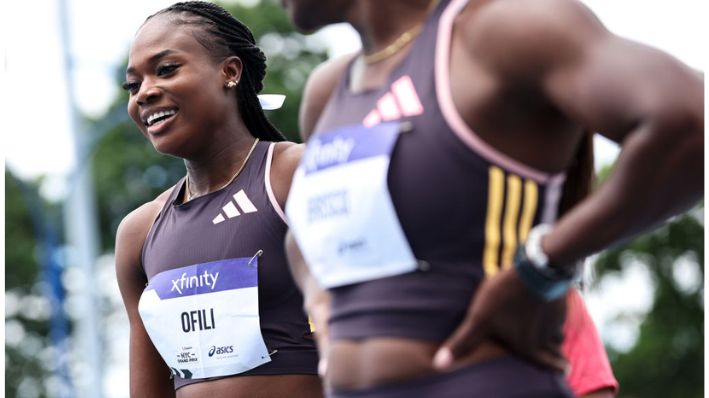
[(269, 189), (450, 113)]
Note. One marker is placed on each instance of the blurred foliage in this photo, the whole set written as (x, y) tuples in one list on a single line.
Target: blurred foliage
[(27, 334), (668, 358), (129, 172), (20, 259)]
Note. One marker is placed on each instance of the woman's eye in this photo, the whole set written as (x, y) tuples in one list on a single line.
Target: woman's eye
[(166, 69), (131, 87)]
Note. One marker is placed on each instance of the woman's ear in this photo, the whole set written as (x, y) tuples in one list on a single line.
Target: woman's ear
[(231, 70)]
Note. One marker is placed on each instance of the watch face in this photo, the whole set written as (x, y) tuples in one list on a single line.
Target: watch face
[(533, 246)]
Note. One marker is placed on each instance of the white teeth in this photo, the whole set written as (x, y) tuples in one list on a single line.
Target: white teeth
[(149, 121)]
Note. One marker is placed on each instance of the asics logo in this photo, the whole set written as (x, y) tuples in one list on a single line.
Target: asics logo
[(228, 349), (239, 202)]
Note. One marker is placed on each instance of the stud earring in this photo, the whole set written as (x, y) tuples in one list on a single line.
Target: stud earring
[(231, 84)]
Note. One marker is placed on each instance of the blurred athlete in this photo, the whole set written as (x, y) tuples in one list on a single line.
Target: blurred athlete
[(456, 146)]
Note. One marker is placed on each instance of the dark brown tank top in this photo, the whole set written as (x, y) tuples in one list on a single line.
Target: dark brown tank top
[(238, 221), (463, 205)]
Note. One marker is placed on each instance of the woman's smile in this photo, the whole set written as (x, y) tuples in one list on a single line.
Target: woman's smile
[(159, 122)]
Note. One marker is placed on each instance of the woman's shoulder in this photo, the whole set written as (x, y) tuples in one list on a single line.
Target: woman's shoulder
[(523, 37), (286, 157), (318, 89), (134, 227)]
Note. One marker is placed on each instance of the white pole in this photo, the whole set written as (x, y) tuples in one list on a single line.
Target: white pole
[(81, 235)]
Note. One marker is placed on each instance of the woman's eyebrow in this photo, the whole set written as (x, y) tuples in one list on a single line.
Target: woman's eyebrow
[(153, 59)]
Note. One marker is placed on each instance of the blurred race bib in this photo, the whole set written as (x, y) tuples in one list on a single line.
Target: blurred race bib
[(340, 210)]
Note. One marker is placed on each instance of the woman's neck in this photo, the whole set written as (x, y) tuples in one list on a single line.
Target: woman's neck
[(387, 30), (379, 23), (217, 165)]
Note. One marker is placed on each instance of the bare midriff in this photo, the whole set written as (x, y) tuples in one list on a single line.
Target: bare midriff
[(271, 386), (379, 361)]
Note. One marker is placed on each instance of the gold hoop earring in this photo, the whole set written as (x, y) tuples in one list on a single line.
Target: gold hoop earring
[(231, 84)]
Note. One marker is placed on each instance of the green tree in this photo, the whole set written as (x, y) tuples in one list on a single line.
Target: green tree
[(28, 359), (667, 359)]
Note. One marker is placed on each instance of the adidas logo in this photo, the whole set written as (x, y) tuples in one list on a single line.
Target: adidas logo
[(401, 101), (230, 210)]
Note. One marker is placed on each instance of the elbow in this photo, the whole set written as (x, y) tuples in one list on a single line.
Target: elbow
[(687, 140), (694, 151), (678, 142), (678, 126)]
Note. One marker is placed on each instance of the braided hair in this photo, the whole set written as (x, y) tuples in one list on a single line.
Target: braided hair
[(224, 36)]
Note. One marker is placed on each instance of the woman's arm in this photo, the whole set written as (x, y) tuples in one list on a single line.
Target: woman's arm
[(316, 300), (317, 92), (641, 98), (149, 375)]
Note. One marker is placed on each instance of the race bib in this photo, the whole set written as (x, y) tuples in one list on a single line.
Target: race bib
[(340, 210), (204, 319)]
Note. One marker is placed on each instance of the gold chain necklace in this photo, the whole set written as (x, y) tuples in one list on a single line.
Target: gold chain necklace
[(400, 42), (187, 178)]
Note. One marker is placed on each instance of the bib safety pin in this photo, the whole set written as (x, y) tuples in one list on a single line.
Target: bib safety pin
[(270, 354), (257, 255)]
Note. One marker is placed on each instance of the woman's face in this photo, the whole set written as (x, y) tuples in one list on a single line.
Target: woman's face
[(176, 88)]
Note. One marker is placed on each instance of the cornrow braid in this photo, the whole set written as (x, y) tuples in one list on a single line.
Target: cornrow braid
[(228, 36)]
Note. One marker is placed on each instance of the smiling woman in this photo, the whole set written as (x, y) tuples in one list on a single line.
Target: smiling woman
[(212, 312)]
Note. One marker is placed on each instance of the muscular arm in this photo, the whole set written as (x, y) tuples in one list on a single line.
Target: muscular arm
[(318, 90), (316, 94), (285, 160), (556, 55), (316, 300), (643, 99), (149, 376)]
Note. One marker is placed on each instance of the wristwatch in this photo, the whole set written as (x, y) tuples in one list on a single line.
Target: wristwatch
[(545, 280)]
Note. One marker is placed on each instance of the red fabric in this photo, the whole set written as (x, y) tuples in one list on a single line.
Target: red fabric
[(590, 368)]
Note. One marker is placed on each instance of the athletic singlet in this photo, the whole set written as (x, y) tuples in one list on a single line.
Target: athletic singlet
[(463, 206), (240, 222)]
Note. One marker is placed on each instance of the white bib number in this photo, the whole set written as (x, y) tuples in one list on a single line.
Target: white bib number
[(204, 320), (340, 210)]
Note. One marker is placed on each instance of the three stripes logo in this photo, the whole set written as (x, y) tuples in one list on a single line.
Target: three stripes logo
[(239, 204), (399, 102), (512, 206), (182, 373)]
